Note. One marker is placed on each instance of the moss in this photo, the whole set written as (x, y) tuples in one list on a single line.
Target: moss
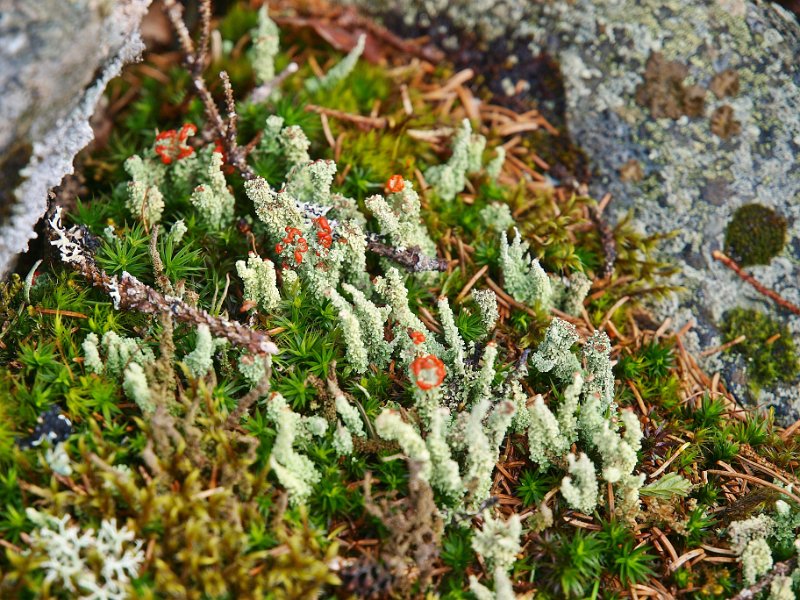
[(755, 235), (768, 348)]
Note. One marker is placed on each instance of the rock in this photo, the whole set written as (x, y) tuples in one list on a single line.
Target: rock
[(738, 149), (705, 96), (56, 58)]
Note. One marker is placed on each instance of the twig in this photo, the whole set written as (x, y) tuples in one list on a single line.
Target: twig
[(781, 568), (607, 239), (195, 59), (129, 293), (411, 258), (364, 123), (760, 287), (722, 347)]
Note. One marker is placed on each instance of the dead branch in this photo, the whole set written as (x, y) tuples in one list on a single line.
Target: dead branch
[(411, 258), (127, 292), (195, 60)]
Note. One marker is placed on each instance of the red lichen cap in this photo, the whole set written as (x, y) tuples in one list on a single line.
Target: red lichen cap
[(429, 371), (171, 145), (395, 184), (417, 337)]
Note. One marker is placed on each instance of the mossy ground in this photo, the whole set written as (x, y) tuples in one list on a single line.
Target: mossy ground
[(212, 516), (767, 348)]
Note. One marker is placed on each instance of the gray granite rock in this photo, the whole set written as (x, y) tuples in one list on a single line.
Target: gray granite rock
[(56, 58)]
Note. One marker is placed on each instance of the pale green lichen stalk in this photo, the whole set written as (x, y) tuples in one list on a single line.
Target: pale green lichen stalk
[(119, 352), (144, 198), (498, 543), (398, 217), (260, 282), (550, 436), (350, 425), (390, 426), (137, 389), (340, 71), (495, 166), (178, 230), (749, 541), (553, 354), (295, 471), (58, 460), (200, 360), (290, 142), (497, 216), (600, 380), (449, 179), (524, 277), (266, 43), (213, 201), (527, 281), (579, 488), (487, 305)]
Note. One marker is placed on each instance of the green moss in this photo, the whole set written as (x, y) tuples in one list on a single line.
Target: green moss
[(768, 348), (755, 235)]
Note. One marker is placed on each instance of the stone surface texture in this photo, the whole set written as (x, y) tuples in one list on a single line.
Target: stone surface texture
[(56, 57)]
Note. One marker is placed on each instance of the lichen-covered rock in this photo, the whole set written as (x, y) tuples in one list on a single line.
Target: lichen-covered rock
[(55, 61), (700, 162), (688, 111)]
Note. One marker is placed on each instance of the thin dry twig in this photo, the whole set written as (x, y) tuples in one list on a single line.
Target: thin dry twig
[(195, 59), (607, 239), (411, 258), (129, 293), (759, 287)]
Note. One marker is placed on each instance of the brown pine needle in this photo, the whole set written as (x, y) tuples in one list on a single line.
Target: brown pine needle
[(723, 347), (758, 480), (471, 283)]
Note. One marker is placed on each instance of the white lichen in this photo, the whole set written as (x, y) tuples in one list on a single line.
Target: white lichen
[(295, 471), (266, 44), (580, 488), (340, 71), (66, 552), (136, 388), (449, 179), (487, 305), (260, 282), (145, 201), (390, 426), (212, 198), (524, 277)]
